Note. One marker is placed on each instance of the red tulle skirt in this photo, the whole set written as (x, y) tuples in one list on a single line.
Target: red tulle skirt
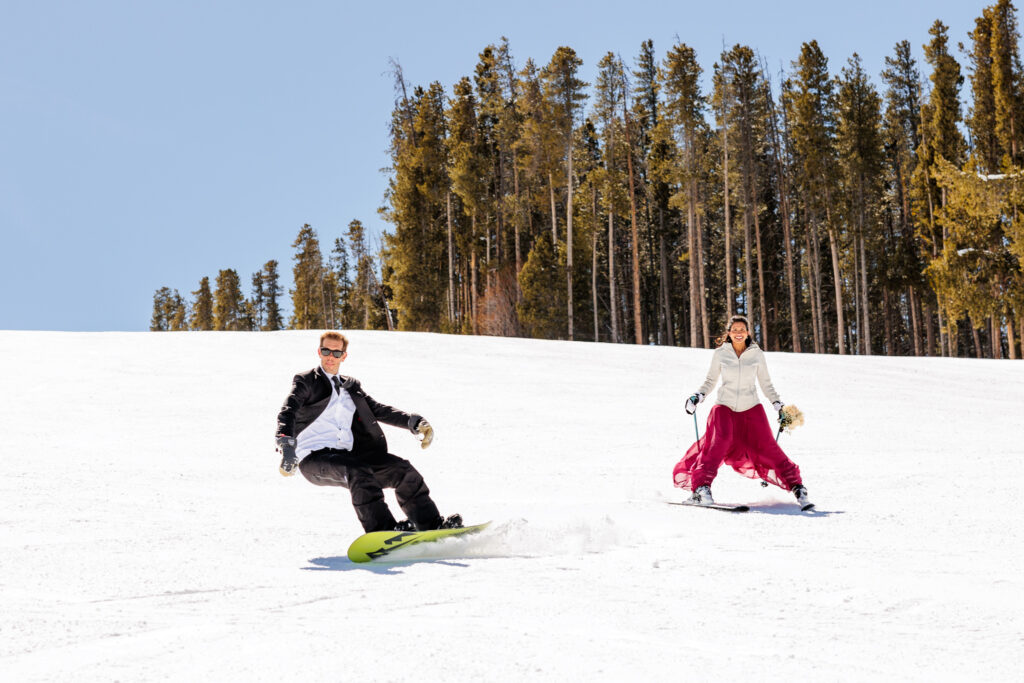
[(745, 442)]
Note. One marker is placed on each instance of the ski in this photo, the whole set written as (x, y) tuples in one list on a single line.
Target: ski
[(713, 506)]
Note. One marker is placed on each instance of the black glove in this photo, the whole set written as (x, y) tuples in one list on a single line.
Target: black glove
[(289, 461), (691, 403)]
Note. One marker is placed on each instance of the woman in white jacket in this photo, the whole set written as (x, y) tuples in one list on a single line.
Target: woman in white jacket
[(737, 431)]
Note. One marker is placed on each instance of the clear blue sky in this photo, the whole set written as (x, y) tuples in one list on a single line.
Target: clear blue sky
[(149, 144)]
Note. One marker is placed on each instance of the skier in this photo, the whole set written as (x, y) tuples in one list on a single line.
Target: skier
[(328, 428), (737, 430)]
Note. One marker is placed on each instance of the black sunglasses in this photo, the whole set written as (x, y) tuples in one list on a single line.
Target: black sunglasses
[(324, 351)]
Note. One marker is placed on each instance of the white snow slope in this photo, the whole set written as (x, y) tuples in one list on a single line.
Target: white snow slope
[(146, 534)]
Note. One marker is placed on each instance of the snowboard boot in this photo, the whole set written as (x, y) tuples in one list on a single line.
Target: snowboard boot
[(452, 522), (404, 525), (801, 497), (702, 496)]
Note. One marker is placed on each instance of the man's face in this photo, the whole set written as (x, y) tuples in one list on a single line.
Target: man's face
[(329, 362)]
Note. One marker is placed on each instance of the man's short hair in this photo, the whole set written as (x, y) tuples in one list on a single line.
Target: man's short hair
[(336, 336)]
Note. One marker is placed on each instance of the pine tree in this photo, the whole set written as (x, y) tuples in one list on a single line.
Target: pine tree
[(341, 272), (415, 251), (256, 305), (468, 163), (902, 123), (1006, 80), (740, 93), (810, 105), (177, 313), (564, 90), (685, 107), (542, 310), (609, 101), (202, 307), (158, 322), (981, 118), (169, 311), (227, 302), (940, 139), (308, 305), (655, 148), (366, 301), (859, 142), (538, 146), (271, 293), (782, 167)]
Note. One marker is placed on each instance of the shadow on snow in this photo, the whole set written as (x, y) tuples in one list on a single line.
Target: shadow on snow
[(341, 563)]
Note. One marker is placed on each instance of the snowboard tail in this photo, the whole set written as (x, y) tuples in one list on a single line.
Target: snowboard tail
[(378, 544)]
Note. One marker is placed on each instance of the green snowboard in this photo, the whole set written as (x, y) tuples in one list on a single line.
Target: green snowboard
[(377, 544)]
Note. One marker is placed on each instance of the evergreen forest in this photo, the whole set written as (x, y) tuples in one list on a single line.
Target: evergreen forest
[(839, 211)]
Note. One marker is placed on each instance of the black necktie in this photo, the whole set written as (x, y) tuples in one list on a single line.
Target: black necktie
[(337, 383)]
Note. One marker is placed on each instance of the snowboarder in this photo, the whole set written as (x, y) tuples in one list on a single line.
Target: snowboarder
[(328, 428), (737, 430)]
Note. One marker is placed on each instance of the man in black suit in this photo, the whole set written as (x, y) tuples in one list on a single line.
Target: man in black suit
[(332, 425)]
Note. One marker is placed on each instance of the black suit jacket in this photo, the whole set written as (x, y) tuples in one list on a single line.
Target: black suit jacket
[(310, 394)]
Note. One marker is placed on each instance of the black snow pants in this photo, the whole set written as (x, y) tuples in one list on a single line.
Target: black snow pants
[(366, 478)]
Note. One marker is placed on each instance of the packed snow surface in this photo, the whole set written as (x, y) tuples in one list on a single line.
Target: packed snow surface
[(146, 534)]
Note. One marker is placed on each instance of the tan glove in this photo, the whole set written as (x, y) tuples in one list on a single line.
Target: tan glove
[(424, 430)]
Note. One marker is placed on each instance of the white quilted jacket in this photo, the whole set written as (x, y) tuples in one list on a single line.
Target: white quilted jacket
[(738, 391)]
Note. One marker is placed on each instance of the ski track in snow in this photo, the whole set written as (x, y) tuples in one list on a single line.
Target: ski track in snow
[(145, 533)]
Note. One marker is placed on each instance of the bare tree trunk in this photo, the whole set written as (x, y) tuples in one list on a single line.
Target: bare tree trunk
[(701, 287), (665, 284), (997, 336), (1020, 320), (833, 240), (694, 264), (762, 298), (977, 339), (814, 273), (613, 303), (637, 310), (568, 237), (473, 281), (554, 216), (451, 260), (929, 331), (887, 320), (728, 226), (593, 286), (786, 228), (915, 327), (865, 304), (518, 221), (593, 269), (748, 267), (1011, 342)]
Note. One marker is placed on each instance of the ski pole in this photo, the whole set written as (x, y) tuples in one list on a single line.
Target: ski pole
[(764, 484)]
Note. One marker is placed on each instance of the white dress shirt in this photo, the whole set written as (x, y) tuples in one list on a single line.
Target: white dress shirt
[(333, 428)]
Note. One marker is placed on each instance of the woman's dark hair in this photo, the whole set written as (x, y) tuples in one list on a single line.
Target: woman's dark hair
[(735, 319)]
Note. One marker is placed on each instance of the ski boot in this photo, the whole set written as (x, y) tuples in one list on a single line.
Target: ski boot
[(452, 522), (702, 496), (801, 498)]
